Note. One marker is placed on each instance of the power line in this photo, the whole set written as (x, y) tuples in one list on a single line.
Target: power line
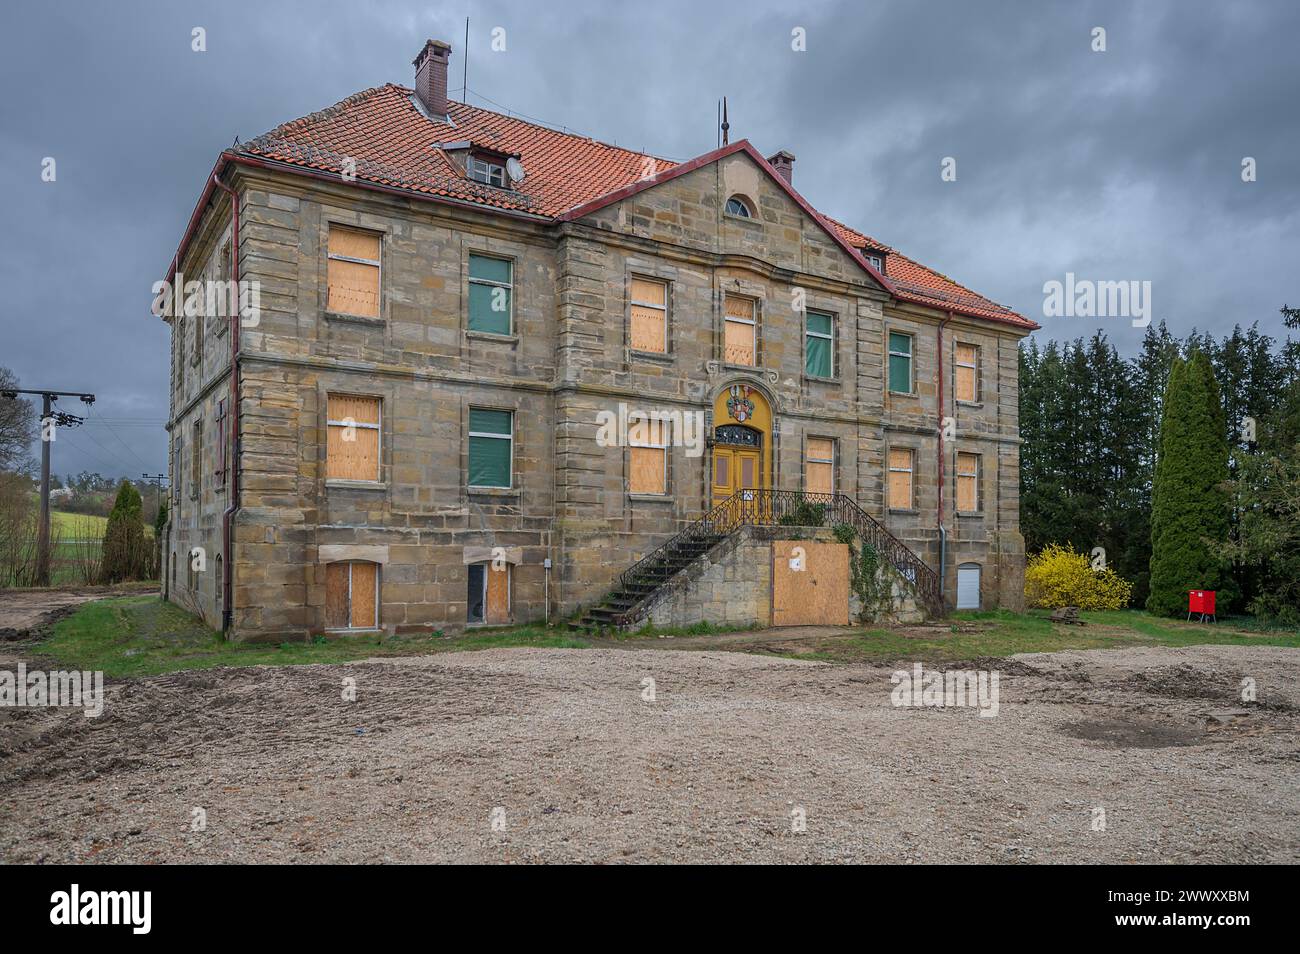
[(118, 437)]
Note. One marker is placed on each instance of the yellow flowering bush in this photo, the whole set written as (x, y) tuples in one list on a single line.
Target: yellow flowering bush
[(1058, 576)]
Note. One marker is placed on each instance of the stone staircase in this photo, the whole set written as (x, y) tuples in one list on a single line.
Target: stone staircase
[(626, 602)]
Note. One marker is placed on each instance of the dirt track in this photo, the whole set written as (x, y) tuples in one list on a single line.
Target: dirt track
[(584, 770)]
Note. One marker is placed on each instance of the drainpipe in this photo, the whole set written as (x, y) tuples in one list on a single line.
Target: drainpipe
[(232, 506), (943, 532)]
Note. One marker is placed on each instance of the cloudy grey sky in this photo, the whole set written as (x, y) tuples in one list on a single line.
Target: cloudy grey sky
[(1122, 165)]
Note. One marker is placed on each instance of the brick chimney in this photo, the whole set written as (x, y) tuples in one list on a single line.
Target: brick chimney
[(783, 163), (431, 76)]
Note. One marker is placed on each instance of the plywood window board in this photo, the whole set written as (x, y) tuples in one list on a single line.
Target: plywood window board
[(819, 468), (740, 334), (351, 595), (353, 273), (649, 315), (901, 461), (354, 426)]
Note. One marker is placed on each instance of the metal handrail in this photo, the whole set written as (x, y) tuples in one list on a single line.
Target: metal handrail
[(783, 507)]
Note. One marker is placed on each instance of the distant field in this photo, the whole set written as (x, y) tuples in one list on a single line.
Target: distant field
[(77, 525)]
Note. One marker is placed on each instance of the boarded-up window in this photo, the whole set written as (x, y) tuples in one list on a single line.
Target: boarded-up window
[(819, 342), (176, 472), (491, 287), (196, 460), (649, 308), (648, 453), (900, 478), (488, 598), (740, 341), (967, 368), (352, 450), (819, 468), (351, 596), (491, 447), (353, 272), (968, 482), (219, 474), (900, 363)]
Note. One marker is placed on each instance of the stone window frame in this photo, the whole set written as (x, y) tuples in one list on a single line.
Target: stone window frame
[(979, 480), (515, 488), (666, 444), (976, 369), (835, 313), (381, 483), (749, 205), (649, 274), (893, 329), (750, 292), (379, 569), (834, 461), (352, 222), (511, 252), (915, 463), (196, 455), (510, 593), (225, 273)]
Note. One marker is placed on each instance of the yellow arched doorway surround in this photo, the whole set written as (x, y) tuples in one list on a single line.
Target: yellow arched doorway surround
[(742, 433)]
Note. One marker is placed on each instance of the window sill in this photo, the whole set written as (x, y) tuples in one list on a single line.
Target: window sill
[(663, 357), (727, 366), (970, 404), (904, 510), (491, 336), (743, 219), (493, 492), (970, 514), (650, 498), (367, 320), (904, 394), (818, 379), (344, 484)]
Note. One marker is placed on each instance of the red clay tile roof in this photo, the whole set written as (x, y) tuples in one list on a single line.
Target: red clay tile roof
[(912, 281), (392, 143)]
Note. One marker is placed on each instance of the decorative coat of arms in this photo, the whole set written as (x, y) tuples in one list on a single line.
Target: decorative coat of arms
[(739, 405)]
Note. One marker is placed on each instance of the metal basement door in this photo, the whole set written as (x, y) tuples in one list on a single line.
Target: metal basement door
[(968, 586)]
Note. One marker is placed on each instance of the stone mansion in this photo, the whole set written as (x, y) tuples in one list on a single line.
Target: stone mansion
[(412, 433)]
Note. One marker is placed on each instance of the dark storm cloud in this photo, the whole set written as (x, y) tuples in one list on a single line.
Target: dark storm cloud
[(1115, 165)]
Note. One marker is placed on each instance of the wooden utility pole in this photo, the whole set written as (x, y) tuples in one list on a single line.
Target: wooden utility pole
[(50, 420)]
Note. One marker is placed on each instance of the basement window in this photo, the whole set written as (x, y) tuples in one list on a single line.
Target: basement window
[(488, 596), (351, 595)]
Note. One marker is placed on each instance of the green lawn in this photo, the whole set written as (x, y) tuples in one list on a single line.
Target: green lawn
[(141, 635)]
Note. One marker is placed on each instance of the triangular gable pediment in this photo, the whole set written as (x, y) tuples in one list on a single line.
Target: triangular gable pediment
[(685, 205)]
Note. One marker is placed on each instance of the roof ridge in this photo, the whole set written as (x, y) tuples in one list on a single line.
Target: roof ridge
[(329, 112), (536, 124)]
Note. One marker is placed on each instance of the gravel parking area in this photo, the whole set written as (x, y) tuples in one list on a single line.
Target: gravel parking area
[(557, 755)]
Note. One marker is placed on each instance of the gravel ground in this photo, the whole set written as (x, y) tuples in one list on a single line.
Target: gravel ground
[(574, 765)]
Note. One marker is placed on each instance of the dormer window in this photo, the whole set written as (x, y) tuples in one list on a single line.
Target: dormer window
[(486, 171), (738, 206), (875, 261)]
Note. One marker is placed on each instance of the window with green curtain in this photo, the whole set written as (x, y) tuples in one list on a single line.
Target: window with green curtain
[(490, 291), (490, 445), (900, 363), (819, 342)]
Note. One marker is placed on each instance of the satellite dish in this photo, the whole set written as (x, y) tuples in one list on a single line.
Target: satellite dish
[(516, 169)]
